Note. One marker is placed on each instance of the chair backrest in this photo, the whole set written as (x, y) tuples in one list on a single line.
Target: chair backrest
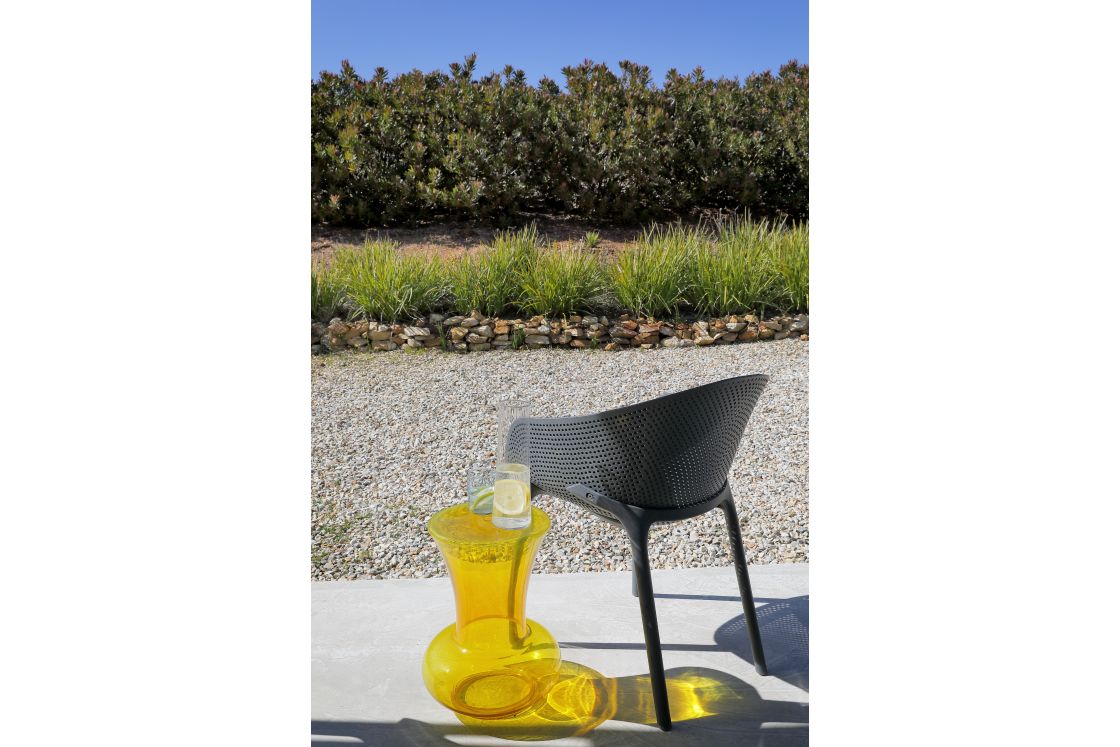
[(668, 452)]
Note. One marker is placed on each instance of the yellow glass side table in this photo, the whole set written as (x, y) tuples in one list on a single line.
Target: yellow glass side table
[(492, 662)]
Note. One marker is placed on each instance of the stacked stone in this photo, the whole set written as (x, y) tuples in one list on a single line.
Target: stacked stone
[(475, 333)]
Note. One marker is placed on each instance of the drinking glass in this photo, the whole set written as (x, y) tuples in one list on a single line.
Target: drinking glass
[(509, 410), (480, 488), (512, 508)]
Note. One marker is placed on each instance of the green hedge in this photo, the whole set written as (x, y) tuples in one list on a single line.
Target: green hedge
[(613, 147)]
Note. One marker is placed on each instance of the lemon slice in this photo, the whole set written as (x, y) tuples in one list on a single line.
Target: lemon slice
[(511, 497), (481, 497)]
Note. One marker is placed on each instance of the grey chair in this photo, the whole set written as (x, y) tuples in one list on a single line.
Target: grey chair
[(666, 459)]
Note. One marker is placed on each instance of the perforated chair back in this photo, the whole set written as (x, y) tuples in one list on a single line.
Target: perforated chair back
[(670, 452)]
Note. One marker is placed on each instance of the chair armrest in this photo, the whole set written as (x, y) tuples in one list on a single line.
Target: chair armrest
[(628, 516), (591, 496)]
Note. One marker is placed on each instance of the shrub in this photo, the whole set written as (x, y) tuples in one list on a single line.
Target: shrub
[(790, 260), (564, 281), (733, 273), (328, 297), (654, 276), (491, 281), (381, 283), (612, 146)]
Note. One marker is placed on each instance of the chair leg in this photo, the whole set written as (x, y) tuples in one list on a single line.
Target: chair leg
[(732, 517), (649, 623), (634, 580)]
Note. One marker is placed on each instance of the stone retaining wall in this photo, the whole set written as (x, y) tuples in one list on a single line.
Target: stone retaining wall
[(477, 332)]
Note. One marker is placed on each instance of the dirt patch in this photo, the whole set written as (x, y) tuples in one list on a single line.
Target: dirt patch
[(451, 240)]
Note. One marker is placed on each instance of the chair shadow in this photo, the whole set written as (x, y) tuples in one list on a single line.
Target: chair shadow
[(783, 623), (710, 708)]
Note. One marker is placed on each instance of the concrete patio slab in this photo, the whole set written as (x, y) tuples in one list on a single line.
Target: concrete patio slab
[(369, 637)]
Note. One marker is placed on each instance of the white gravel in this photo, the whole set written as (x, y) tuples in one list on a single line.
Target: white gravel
[(392, 435)]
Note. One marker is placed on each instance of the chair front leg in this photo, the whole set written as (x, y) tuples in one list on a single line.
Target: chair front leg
[(732, 517), (644, 582), (637, 527)]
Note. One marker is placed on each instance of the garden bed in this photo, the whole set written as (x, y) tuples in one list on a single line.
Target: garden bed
[(732, 281)]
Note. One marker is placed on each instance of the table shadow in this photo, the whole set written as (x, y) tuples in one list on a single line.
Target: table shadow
[(710, 708)]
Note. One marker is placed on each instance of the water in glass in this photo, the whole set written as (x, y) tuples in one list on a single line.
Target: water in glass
[(512, 508), (480, 488)]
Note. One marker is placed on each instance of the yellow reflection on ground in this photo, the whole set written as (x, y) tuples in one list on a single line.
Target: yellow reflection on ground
[(576, 701), (579, 699)]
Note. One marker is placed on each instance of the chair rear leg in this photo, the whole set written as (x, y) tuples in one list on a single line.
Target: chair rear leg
[(644, 583), (732, 517)]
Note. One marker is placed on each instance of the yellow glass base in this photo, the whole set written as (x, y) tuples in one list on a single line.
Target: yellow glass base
[(493, 663), (488, 670)]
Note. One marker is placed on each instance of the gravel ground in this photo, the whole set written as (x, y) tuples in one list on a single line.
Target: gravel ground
[(392, 435)]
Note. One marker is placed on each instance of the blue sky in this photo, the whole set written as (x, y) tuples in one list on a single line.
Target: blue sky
[(725, 38)]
